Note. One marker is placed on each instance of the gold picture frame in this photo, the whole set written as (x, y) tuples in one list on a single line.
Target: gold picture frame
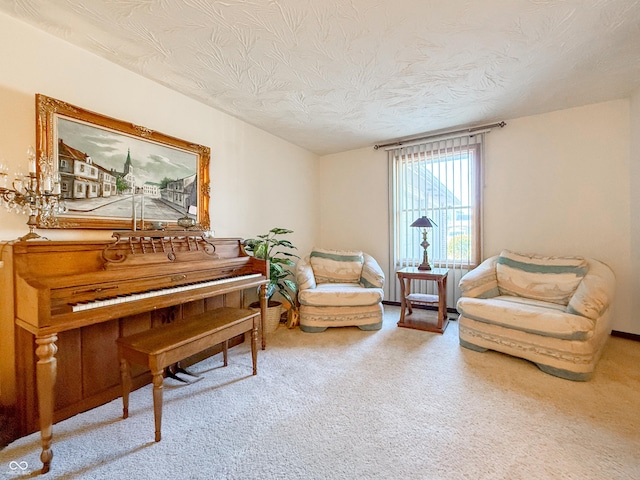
[(109, 172)]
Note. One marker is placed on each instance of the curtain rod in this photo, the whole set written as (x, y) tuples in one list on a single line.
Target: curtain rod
[(435, 135)]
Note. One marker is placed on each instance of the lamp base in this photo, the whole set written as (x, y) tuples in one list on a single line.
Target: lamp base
[(424, 266)]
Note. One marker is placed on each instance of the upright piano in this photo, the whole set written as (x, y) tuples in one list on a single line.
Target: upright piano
[(73, 299)]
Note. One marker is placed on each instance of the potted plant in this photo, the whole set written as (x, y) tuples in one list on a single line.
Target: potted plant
[(277, 250)]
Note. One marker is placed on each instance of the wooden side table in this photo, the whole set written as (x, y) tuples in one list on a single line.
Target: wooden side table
[(439, 275)]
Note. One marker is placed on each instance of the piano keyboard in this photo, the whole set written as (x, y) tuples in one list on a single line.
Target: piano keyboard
[(156, 293)]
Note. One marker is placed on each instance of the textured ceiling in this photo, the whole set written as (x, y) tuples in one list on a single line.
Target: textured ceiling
[(334, 75)]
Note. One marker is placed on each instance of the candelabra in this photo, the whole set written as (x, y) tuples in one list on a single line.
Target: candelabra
[(35, 194)]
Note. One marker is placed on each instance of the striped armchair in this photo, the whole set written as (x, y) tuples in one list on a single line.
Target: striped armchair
[(553, 311), (339, 288)]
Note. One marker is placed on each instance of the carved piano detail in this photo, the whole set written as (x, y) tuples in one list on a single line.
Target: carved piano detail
[(73, 299), (132, 246)]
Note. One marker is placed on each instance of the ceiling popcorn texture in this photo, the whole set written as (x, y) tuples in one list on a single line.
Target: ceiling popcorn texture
[(335, 75)]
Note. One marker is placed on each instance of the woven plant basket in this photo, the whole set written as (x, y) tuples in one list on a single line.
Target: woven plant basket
[(272, 317)]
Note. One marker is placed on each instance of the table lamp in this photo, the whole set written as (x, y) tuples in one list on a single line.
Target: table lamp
[(424, 223)]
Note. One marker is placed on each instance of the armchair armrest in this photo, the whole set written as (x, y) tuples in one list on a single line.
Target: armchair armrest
[(594, 293), (372, 275), (304, 275), (482, 281)]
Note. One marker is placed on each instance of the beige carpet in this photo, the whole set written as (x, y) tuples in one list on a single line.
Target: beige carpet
[(348, 404)]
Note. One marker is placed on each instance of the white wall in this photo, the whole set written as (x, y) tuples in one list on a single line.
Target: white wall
[(634, 176), (247, 164), (558, 183), (555, 184), (354, 200)]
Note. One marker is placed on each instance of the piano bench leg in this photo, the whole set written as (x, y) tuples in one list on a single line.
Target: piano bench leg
[(225, 351), (254, 348), (157, 401), (125, 378)]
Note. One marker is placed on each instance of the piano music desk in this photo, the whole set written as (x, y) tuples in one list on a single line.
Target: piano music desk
[(163, 346)]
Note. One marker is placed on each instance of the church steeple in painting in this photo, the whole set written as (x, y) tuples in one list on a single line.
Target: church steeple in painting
[(128, 167)]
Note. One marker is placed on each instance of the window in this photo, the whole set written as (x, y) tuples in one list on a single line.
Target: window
[(442, 181)]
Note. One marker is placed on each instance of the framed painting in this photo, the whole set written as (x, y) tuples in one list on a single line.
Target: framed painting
[(111, 174)]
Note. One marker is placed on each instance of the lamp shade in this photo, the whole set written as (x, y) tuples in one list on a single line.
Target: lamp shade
[(424, 222)]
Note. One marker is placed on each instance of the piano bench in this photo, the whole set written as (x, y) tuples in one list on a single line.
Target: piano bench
[(163, 346)]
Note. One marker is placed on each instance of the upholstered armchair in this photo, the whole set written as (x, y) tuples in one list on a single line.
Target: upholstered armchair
[(339, 288), (553, 311)]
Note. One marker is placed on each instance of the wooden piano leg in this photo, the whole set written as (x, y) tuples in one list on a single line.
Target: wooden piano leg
[(157, 401), (125, 378), (263, 311), (46, 370)]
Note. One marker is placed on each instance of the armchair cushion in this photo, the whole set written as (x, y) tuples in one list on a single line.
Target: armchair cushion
[(336, 266), (482, 281), (372, 275), (304, 276), (532, 316), (340, 295), (594, 294), (550, 279)]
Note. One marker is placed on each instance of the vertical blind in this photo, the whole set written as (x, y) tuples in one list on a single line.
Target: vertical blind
[(440, 179)]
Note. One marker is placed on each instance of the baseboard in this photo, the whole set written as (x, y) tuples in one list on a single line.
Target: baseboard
[(628, 336)]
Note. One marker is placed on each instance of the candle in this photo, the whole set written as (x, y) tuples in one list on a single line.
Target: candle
[(47, 184), (32, 159), (18, 183)]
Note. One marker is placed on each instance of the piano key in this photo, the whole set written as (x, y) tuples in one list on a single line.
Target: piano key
[(78, 307)]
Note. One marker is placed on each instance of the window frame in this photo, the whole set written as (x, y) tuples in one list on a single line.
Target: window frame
[(441, 150)]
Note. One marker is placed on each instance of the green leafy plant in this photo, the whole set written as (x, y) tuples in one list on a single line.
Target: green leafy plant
[(278, 251)]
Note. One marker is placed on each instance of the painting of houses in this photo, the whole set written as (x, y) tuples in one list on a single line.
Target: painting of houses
[(108, 174)]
